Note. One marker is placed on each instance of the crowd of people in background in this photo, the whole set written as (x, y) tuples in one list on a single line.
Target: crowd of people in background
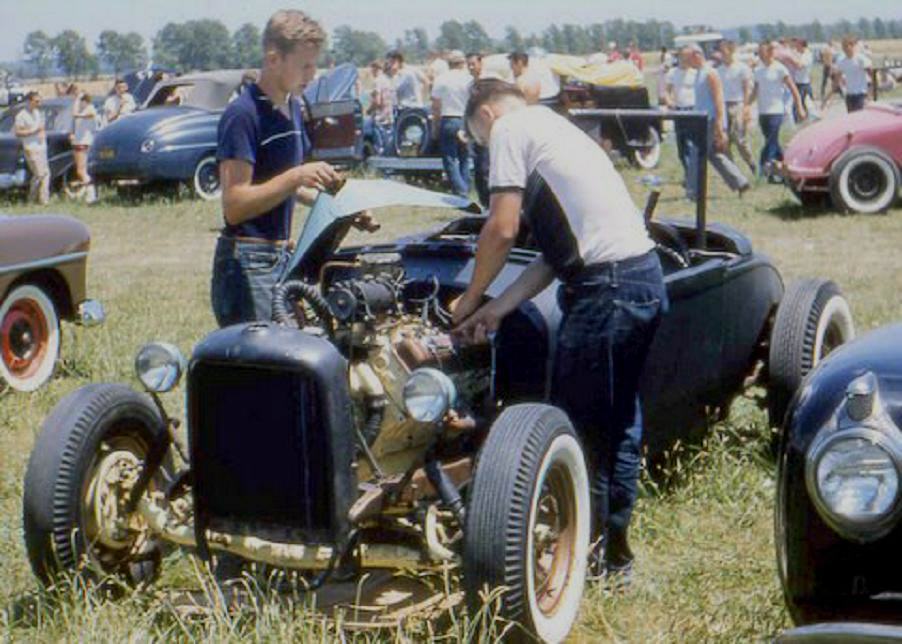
[(776, 79)]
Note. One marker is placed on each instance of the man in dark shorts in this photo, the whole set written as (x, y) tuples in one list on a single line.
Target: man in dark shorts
[(261, 153), (593, 239)]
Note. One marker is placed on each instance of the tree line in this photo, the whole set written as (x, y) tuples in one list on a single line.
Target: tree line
[(208, 44)]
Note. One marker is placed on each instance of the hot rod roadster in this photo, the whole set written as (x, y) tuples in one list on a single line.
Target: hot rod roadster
[(353, 434)]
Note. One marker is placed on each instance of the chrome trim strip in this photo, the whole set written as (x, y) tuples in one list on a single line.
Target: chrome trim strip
[(184, 146), (41, 263)]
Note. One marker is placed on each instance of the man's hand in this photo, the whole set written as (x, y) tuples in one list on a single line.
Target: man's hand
[(462, 307), (475, 329), (365, 221), (720, 139), (318, 175)]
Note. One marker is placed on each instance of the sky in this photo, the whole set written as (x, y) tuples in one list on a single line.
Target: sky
[(390, 18)]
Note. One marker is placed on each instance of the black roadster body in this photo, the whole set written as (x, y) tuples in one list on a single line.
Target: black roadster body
[(839, 508)]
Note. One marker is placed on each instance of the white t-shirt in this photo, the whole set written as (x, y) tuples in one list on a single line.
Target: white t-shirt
[(383, 87), (453, 89), (683, 82), (733, 76), (438, 67), (407, 88), (854, 71), (803, 73), (111, 106), (599, 212), (29, 120), (770, 83), (85, 126)]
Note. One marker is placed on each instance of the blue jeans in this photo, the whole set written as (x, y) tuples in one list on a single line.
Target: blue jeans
[(855, 102), (681, 131), (455, 155), (609, 319), (380, 135), (804, 92), (718, 160), (244, 276), (770, 128)]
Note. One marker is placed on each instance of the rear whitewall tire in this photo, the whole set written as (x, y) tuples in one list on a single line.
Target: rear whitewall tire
[(203, 184), (852, 176)]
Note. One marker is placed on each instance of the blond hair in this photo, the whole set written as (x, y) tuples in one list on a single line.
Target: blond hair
[(288, 28)]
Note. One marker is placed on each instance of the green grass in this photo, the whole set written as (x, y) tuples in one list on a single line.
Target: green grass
[(702, 532)]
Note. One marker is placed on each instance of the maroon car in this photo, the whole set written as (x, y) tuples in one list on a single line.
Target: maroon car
[(43, 262), (854, 160)]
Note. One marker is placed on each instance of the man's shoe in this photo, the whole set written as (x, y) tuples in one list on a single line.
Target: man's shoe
[(618, 578)]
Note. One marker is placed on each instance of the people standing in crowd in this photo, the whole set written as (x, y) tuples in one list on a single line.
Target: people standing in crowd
[(612, 296), (119, 104), (30, 127), (709, 99), (771, 77), (852, 72), (84, 116), (828, 55), (405, 81), (801, 75), (613, 53), (380, 112), (635, 56), (480, 152), (450, 92), (528, 82), (681, 96), (666, 64), (436, 65), (736, 78)]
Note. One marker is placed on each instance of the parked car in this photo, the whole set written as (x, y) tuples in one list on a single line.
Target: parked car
[(851, 161), (11, 90), (43, 261), (171, 137), (353, 434), (838, 520), (14, 172)]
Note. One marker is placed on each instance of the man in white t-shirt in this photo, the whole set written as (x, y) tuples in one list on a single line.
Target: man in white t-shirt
[(406, 82), (737, 88), (120, 104), (852, 72), (801, 75), (593, 239), (681, 96), (528, 82), (450, 92), (771, 77), (30, 127)]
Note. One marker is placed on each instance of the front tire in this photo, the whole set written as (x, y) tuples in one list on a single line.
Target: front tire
[(206, 179), (528, 523), (29, 338), (864, 180), (90, 449), (812, 320)]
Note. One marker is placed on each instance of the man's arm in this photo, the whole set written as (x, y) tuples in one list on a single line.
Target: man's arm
[(242, 200), (531, 89), (796, 97), (495, 241), (436, 116), (21, 130), (717, 93)]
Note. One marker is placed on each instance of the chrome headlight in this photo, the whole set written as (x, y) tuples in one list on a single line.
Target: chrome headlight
[(159, 366), (855, 480), (148, 146), (428, 395)]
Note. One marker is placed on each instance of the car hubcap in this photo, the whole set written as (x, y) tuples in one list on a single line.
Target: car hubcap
[(23, 338), (554, 538), (867, 183), (208, 178)]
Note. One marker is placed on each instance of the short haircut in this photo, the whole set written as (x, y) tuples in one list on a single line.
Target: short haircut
[(393, 55), (849, 39), (486, 90), (288, 28), (519, 57), (474, 54), (32, 94), (87, 98), (120, 80), (377, 63)]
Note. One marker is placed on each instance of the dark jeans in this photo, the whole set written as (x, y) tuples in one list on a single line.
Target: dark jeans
[(770, 128), (804, 92), (731, 174), (380, 135), (681, 131), (855, 102), (244, 275), (455, 155), (481, 173), (609, 319)]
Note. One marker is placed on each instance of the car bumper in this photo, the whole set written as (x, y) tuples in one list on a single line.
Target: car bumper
[(801, 178), (90, 313), (858, 632)]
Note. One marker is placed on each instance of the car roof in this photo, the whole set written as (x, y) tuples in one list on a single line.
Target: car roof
[(210, 90)]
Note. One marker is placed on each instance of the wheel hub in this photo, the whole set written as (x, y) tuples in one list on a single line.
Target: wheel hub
[(116, 475), (554, 535), (23, 338), (866, 183)]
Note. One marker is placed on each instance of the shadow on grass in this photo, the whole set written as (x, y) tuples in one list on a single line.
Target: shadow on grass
[(791, 210)]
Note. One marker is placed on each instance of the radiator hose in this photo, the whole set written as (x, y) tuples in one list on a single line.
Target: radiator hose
[(286, 294)]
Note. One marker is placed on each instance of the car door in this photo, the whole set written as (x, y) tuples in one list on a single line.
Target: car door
[(10, 146), (334, 117)]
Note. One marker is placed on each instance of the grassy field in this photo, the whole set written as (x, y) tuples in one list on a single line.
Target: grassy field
[(702, 533)]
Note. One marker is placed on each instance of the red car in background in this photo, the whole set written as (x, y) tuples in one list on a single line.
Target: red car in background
[(854, 160)]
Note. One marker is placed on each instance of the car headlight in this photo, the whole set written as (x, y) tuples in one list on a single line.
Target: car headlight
[(148, 146), (159, 366), (428, 395), (855, 477)]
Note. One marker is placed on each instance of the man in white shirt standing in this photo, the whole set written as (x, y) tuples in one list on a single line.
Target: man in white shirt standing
[(119, 104), (30, 127), (681, 96), (528, 82), (593, 239), (771, 77), (801, 75), (852, 72), (450, 92), (737, 88), (405, 81)]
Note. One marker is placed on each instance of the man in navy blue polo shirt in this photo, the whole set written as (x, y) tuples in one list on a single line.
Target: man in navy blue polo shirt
[(262, 146)]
